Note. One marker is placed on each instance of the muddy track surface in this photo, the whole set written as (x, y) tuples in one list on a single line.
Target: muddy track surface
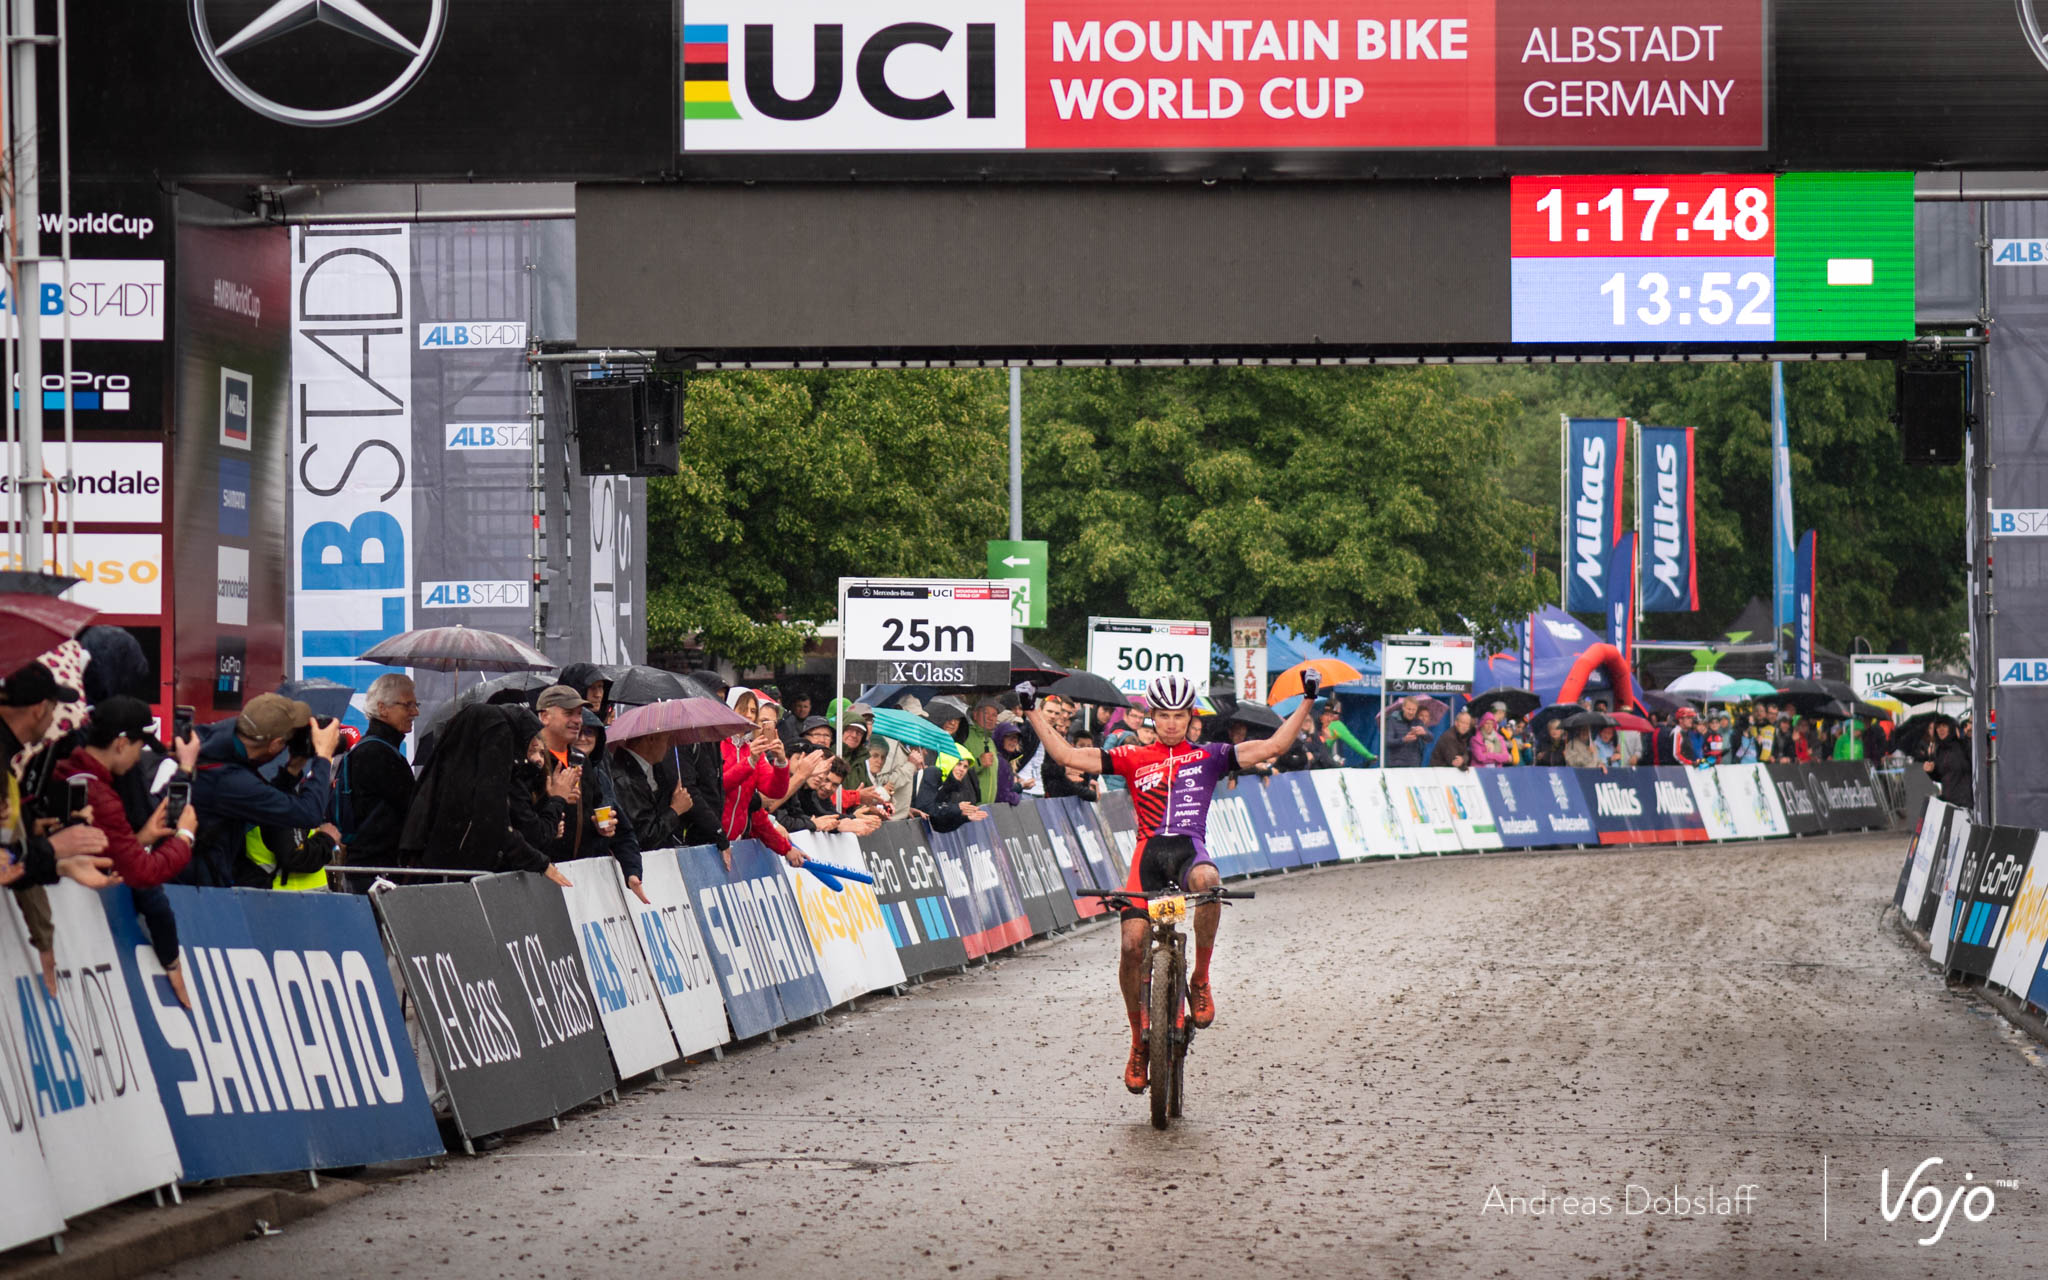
[(1478, 1066)]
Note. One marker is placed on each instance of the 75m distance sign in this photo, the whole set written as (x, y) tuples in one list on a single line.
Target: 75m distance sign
[(1129, 652), (1427, 664), (925, 630)]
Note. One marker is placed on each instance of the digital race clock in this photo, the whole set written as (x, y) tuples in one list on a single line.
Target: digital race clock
[(1732, 259)]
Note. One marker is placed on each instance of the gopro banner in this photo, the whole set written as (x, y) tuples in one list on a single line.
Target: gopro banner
[(1993, 886), (294, 1053), (2026, 932), (1803, 619), (1538, 807), (1594, 453), (1664, 470), (912, 896)]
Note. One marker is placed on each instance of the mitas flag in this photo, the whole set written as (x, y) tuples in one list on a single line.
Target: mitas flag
[(1594, 453), (1621, 604), (1803, 616), (1664, 474)]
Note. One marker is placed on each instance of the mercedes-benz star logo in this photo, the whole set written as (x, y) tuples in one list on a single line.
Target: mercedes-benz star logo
[(351, 17), (2030, 25)]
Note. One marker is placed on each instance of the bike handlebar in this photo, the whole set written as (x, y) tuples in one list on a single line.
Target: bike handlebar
[(1131, 895)]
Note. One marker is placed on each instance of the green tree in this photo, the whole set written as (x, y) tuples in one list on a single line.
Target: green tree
[(1892, 561), (790, 480), (1341, 502)]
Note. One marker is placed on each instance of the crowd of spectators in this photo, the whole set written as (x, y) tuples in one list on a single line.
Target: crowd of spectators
[(274, 796)]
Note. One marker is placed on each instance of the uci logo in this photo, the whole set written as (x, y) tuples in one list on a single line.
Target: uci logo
[(871, 71)]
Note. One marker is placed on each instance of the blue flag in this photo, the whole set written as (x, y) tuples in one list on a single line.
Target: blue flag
[(1803, 617), (1670, 573), (1621, 605), (1782, 553), (1594, 453)]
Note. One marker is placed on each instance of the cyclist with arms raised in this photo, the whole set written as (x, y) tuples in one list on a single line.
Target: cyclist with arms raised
[(1171, 783)]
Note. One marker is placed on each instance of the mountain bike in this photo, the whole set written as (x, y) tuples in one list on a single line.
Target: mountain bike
[(1169, 1027)]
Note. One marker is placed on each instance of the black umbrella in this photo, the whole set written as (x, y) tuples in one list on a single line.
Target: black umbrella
[(28, 582), (1520, 702), (1839, 688), (1086, 686), (1256, 714), (1560, 711), (637, 686), (1589, 720), (1030, 663), (1925, 688), (1910, 733), (513, 686), (1804, 695), (1833, 711)]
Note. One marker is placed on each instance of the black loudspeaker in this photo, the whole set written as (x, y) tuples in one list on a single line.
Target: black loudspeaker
[(627, 425), (1931, 413)]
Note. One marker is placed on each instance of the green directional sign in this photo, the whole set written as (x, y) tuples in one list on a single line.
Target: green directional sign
[(1024, 562)]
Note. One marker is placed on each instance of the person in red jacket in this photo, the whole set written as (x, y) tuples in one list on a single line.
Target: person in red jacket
[(755, 762), (114, 740)]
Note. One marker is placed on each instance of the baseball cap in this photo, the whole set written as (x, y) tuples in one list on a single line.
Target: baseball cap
[(34, 684), (1686, 713), (272, 715), (814, 722), (560, 696), (125, 717)]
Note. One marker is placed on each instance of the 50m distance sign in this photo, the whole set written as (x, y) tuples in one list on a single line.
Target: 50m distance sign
[(1130, 652), (926, 630)]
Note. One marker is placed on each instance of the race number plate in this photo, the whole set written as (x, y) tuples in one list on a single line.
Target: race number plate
[(1168, 910)]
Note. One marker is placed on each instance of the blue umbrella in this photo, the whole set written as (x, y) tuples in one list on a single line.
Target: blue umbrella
[(914, 731)]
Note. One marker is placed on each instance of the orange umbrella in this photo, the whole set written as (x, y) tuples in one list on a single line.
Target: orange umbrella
[(1334, 671)]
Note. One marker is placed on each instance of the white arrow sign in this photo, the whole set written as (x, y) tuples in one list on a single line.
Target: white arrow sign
[(1016, 561)]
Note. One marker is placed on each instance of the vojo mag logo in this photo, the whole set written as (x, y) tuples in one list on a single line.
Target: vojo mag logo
[(229, 36), (804, 75)]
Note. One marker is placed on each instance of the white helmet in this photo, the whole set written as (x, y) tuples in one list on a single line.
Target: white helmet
[(1171, 693)]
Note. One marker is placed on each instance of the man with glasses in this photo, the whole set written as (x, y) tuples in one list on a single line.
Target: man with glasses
[(374, 789)]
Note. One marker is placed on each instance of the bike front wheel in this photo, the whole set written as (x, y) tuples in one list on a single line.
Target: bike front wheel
[(1161, 992)]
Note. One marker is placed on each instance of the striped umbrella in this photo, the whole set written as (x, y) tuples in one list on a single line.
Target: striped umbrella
[(458, 649)]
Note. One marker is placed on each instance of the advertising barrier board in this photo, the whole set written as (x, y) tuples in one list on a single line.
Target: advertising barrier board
[(1845, 795), (680, 958), (1424, 810), (94, 1095), (2026, 933), (492, 969), (972, 862), (1538, 807), (1027, 850), (1347, 829), (1294, 804), (854, 951), (1795, 799), (1941, 881), (1236, 843), (1644, 806), (1993, 884), (621, 979), (1966, 843), (911, 893), (765, 962), (1465, 795), (294, 1053)]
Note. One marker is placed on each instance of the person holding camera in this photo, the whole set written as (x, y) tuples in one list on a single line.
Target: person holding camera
[(115, 739), (248, 831)]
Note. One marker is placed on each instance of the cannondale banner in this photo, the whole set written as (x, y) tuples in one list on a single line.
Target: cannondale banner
[(1594, 453), (1670, 580), (1803, 606)]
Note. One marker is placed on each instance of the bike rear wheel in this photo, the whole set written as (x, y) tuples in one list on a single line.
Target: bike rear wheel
[(1162, 990)]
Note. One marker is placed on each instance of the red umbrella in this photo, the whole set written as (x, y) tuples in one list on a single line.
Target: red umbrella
[(689, 719), (458, 649), (1630, 721), (31, 624)]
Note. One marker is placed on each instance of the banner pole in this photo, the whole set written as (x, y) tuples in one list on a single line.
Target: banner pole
[(1564, 515), (839, 687)]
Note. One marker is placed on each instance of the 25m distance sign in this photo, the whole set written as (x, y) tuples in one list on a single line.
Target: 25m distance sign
[(926, 630), (1727, 259)]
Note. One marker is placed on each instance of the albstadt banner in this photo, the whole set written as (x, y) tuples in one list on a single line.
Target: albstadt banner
[(1664, 474), (1595, 450)]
